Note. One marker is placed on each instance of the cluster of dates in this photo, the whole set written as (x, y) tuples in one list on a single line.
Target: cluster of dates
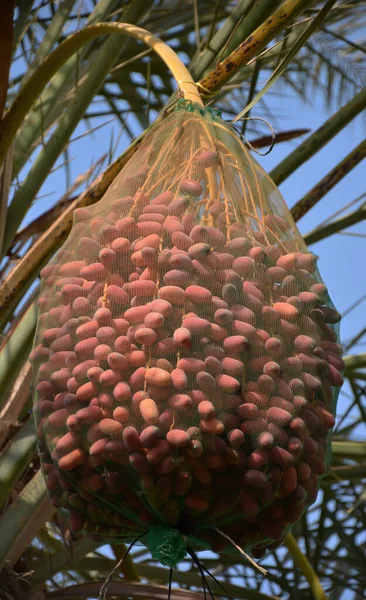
[(185, 371)]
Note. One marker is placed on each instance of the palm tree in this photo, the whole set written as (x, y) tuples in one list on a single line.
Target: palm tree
[(106, 95)]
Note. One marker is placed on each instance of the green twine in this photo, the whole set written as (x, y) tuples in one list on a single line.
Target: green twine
[(166, 545), (190, 106)]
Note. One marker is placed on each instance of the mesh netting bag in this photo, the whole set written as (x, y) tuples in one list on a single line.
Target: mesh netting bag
[(187, 358)]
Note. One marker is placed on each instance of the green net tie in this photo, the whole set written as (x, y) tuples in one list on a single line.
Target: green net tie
[(166, 545)]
